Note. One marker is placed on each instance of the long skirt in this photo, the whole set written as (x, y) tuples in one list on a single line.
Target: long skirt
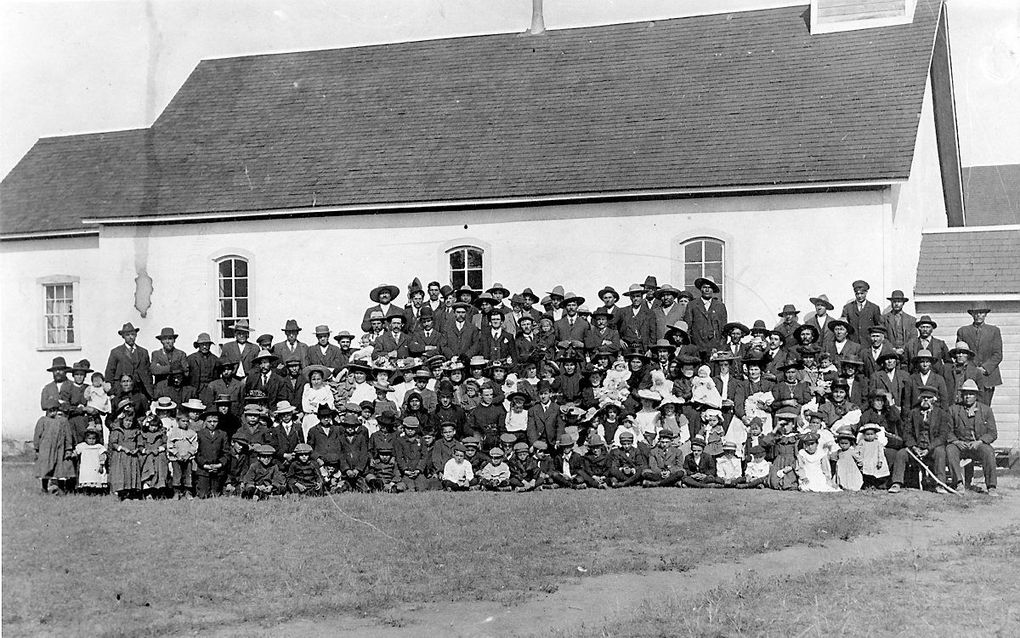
[(125, 472)]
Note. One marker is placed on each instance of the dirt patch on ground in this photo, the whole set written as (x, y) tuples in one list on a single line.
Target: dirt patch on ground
[(587, 601)]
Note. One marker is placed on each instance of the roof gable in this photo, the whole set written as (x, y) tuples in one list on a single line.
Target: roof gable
[(747, 99)]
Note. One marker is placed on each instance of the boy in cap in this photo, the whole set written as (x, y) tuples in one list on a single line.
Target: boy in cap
[(254, 429), (412, 456), (860, 313), (239, 459), (324, 439), (303, 473), (566, 463), (727, 466), (524, 469), (595, 471), (286, 433), (626, 462), (211, 458), (699, 466), (263, 478), (665, 463), (383, 473), (354, 456), (495, 474), (474, 455)]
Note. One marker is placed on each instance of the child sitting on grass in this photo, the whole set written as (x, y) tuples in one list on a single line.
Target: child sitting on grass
[(756, 474), (303, 474), (263, 478), (457, 472), (728, 470), (495, 475), (181, 447), (91, 453), (523, 468), (813, 470), (383, 474)]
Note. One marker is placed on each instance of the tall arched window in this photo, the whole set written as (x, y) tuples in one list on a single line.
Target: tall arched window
[(233, 292), (466, 267), (703, 257)]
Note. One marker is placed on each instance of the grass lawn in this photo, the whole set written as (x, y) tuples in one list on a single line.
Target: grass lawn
[(969, 588), (75, 565)]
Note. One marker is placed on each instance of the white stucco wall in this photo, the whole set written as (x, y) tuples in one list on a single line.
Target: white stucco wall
[(780, 249)]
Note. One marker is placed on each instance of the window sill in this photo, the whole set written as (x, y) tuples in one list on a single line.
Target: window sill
[(67, 347)]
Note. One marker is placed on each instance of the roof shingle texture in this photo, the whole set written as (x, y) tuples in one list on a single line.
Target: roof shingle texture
[(981, 262), (742, 99)]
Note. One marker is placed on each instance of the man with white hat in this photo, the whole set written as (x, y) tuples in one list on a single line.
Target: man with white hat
[(986, 341), (820, 320), (972, 436), (637, 323), (240, 349)]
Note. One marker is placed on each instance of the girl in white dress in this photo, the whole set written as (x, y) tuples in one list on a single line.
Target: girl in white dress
[(92, 475), (813, 471)]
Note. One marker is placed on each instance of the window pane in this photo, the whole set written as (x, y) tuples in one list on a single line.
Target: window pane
[(241, 288), (69, 335), (457, 259), (226, 308), (474, 258), (241, 305), (457, 279), (692, 252), (475, 279), (691, 272), (240, 268), (225, 268), (713, 251), (225, 329), (714, 271), (226, 287)]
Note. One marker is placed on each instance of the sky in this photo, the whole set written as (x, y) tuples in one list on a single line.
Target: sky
[(77, 66)]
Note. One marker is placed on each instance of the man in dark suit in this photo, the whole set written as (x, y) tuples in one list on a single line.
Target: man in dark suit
[(265, 379), (925, 341), (544, 419), (857, 385), (972, 436), (893, 380), (637, 327), (240, 349), (525, 342), (166, 355), (960, 369), (706, 316), (820, 320), (925, 431), (291, 346), (294, 381), (393, 342), (926, 377), (131, 359), (382, 295), (495, 343), (860, 313), (666, 310), (426, 340), (788, 327), (461, 335), (324, 353), (899, 326), (875, 350), (601, 333), (571, 326), (610, 298), (840, 345), (986, 341)]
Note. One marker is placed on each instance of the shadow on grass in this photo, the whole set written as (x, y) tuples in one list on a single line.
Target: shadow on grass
[(96, 566)]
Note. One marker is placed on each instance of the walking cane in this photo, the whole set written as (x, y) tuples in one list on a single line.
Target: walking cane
[(927, 471)]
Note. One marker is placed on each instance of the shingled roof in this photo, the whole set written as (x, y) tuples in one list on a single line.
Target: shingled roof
[(981, 262), (748, 99)]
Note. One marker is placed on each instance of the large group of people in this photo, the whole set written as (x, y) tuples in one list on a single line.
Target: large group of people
[(469, 390)]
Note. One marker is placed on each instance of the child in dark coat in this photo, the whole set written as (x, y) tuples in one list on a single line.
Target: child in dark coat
[(263, 478), (303, 473)]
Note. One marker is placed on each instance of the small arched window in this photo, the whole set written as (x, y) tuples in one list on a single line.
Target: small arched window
[(466, 267), (233, 289), (703, 257)]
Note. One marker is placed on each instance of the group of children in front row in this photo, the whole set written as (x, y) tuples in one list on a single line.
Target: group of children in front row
[(187, 455)]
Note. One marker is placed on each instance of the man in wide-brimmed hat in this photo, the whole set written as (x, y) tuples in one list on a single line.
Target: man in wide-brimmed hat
[(860, 313), (427, 339), (322, 352), (460, 333), (891, 378), (925, 340), (556, 296), (393, 342), (734, 332), (924, 375), (240, 349), (383, 295), (789, 326), (986, 341), (167, 354), (201, 364), (972, 436), (58, 390), (706, 315), (131, 359), (821, 318), (610, 298), (667, 311), (601, 333), (899, 326), (291, 346), (637, 325), (649, 287), (571, 326), (264, 379), (960, 369), (839, 343)]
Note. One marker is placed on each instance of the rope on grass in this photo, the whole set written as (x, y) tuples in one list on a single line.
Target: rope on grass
[(358, 520), (924, 467)]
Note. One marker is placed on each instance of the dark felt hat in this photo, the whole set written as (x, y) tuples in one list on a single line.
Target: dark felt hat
[(393, 290)]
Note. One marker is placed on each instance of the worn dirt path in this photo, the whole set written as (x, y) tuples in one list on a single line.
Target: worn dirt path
[(593, 600)]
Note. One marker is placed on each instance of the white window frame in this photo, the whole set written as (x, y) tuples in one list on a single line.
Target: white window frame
[(60, 280), (680, 260), (466, 247), (217, 298)]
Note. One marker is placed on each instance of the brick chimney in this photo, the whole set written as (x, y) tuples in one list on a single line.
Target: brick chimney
[(537, 20)]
